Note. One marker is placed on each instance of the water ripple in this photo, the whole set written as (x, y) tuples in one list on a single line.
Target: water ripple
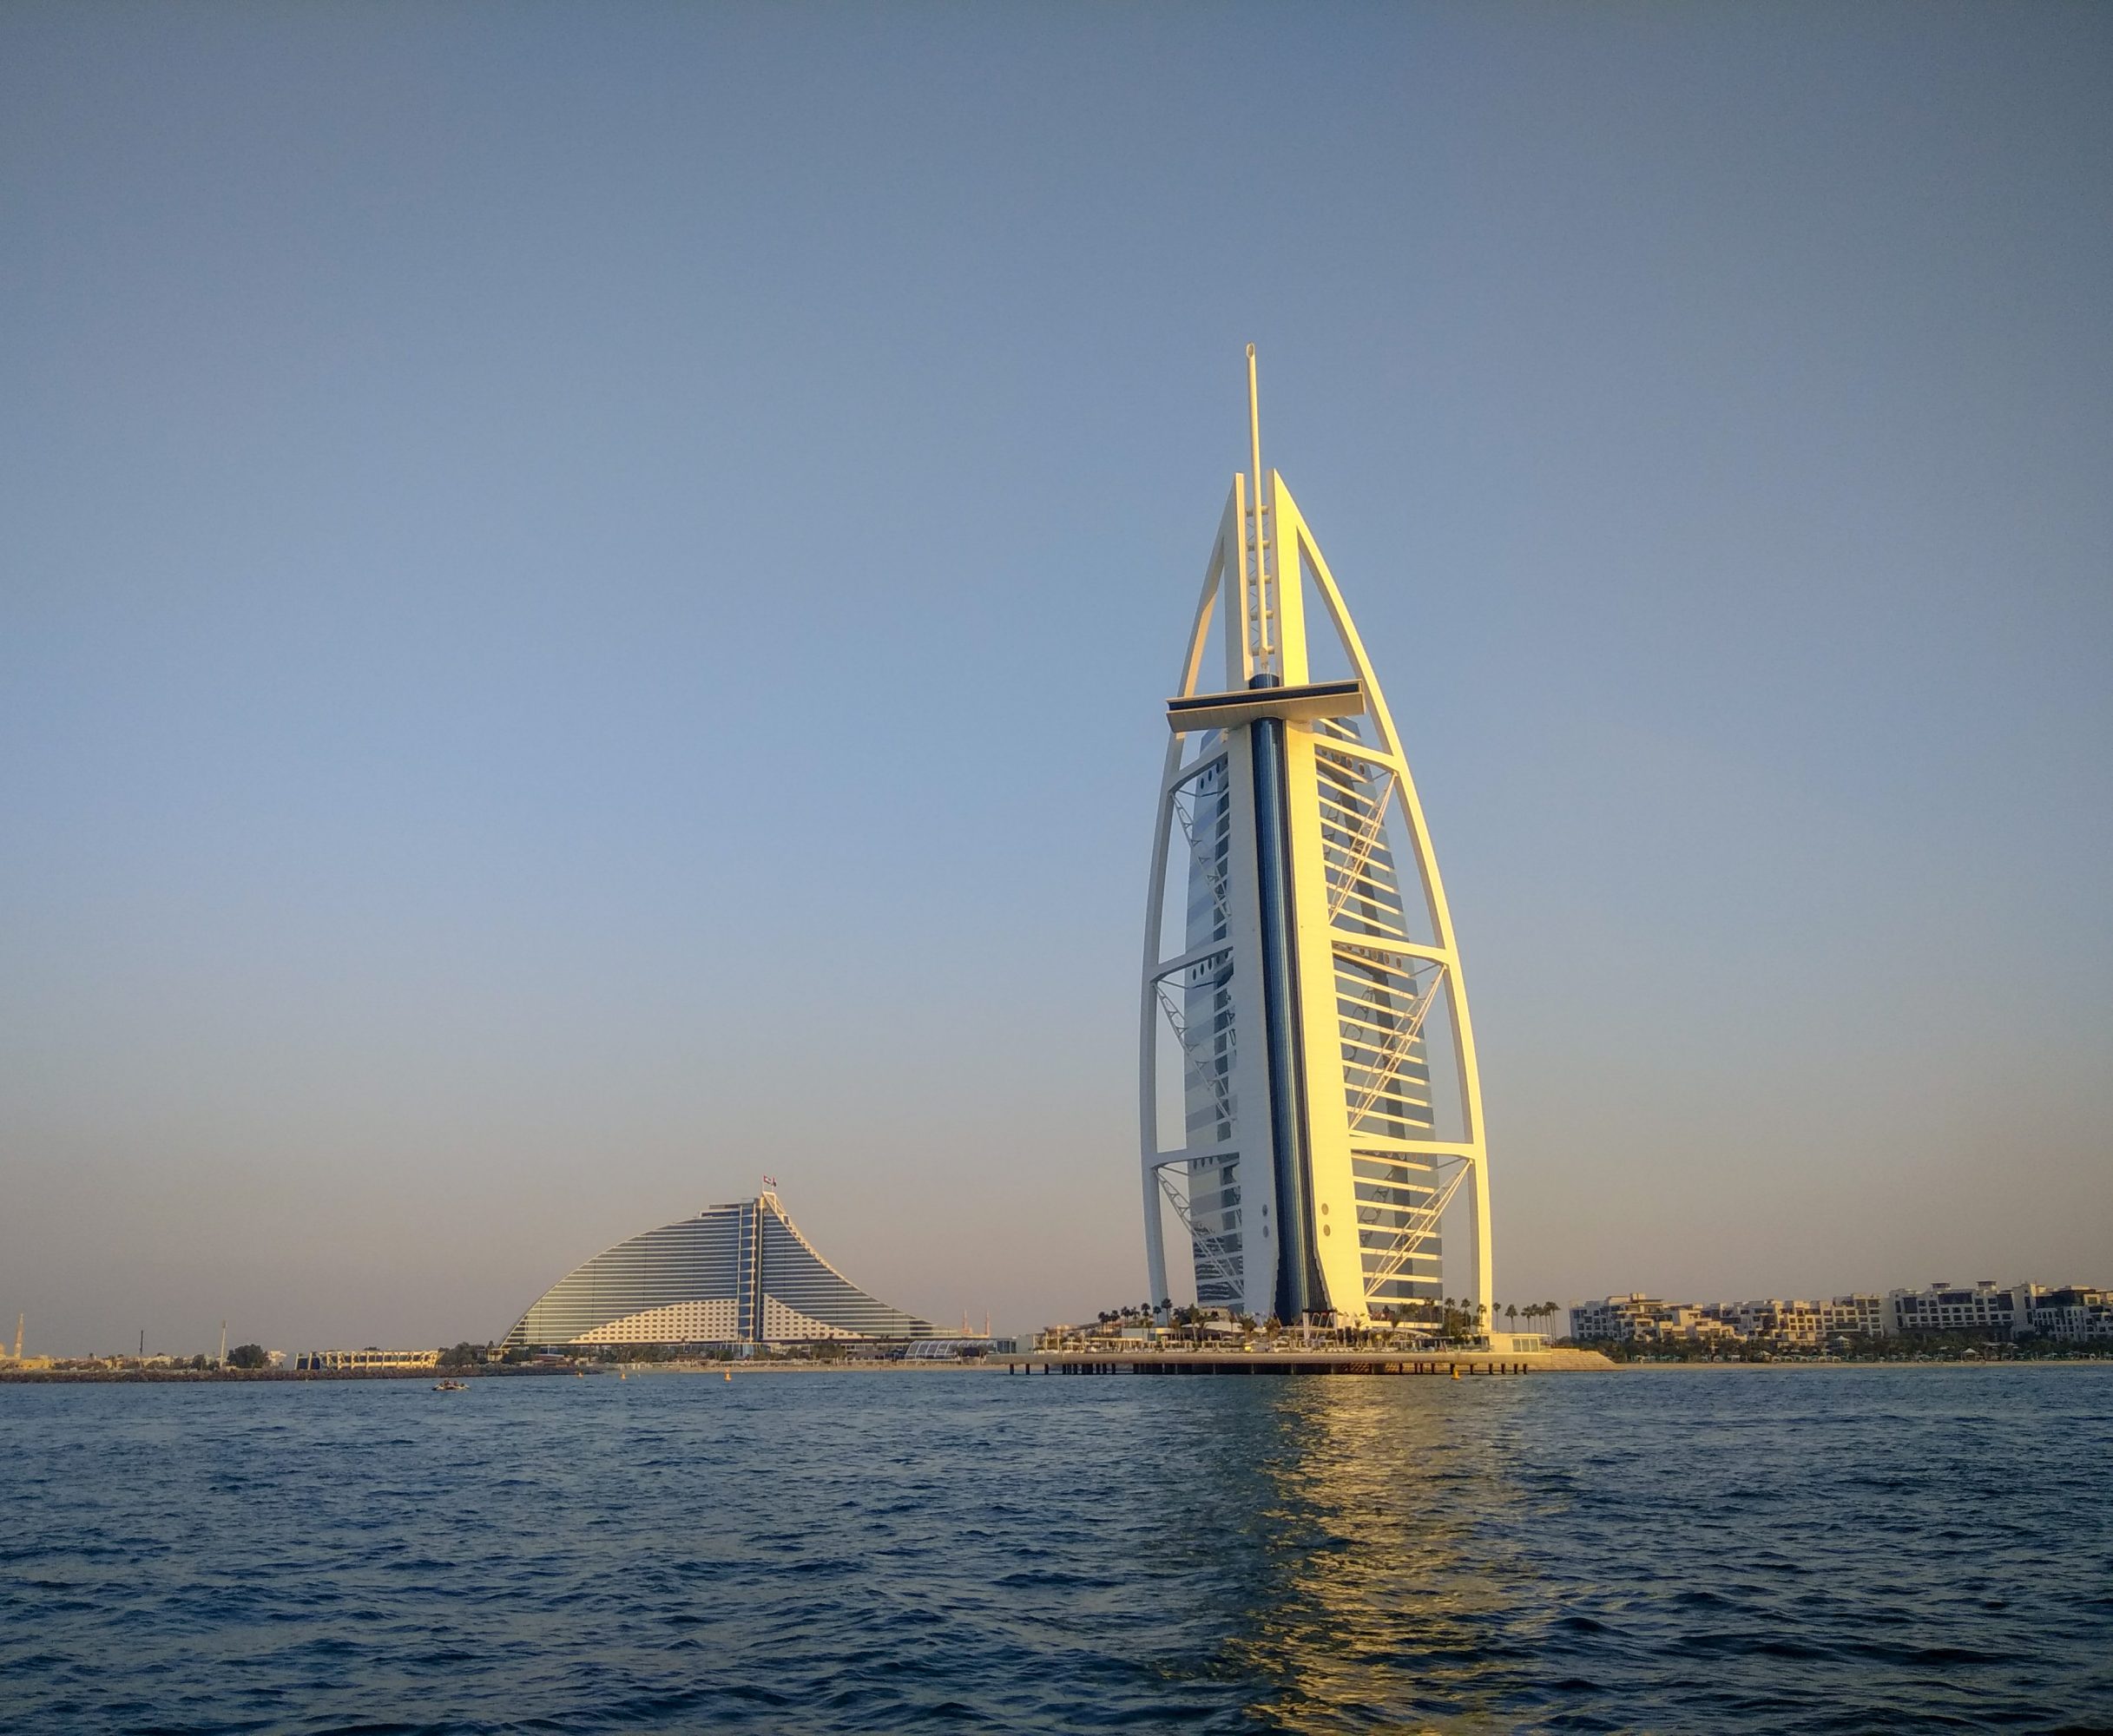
[(1828, 1550)]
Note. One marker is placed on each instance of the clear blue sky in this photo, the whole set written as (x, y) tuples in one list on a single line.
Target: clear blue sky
[(584, 593)]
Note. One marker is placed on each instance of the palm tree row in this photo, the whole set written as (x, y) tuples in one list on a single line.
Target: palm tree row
[(1457, 1317)]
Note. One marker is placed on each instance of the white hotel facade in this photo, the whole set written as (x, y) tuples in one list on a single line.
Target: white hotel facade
[(1310, 1103), (740, 1273)]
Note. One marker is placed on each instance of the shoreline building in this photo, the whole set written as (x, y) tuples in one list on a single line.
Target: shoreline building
[(2079, 1313), (337, 1362), (1942, 1308), (734, 1274), (2074, 1313), (1637, 1319), (1309, 1098)]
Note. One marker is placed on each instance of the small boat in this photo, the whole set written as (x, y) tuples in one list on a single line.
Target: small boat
[(450, 1386)]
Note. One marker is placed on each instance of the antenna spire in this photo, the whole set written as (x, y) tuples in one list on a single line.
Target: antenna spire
[(1254, 426), (1261, 598)]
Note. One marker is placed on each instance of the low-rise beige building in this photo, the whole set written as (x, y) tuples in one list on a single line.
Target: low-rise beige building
[(2074, 1313), (332, 1362)]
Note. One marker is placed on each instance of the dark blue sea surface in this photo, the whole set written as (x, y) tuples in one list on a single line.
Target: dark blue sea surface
[(1769, 1551)]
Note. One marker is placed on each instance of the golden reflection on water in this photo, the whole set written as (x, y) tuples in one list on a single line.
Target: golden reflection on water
[(1383, 1570)]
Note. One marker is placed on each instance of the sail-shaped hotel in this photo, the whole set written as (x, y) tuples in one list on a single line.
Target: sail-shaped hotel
[(1310, 1108)]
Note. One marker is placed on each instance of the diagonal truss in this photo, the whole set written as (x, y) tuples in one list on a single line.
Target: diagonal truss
[(1217, 1080), (1211, 1251), (1381, 1075), (1350, 875), (1205, 859), (1421, 1227)]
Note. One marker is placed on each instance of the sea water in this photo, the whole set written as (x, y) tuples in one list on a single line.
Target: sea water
[(1765, 1550)]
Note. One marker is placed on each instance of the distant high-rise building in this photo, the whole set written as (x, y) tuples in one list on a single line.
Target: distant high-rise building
[(740, 1273), (1301, 970)]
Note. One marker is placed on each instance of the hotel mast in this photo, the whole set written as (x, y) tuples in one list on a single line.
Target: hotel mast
[(1293, 1119)]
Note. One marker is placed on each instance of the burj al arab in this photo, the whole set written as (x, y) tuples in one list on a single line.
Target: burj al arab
[(1310, 1102)]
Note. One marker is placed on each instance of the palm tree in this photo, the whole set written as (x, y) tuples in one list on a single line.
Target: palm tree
[(1511, 1315)]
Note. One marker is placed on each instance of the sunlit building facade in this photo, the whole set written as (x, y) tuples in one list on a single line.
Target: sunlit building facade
[(1310, 1101), (732, 1275), (343, 1362), (2075, 1313)]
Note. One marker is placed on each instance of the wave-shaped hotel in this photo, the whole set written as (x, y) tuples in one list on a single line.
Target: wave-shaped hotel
[(1310, 1108), (735, 1274)]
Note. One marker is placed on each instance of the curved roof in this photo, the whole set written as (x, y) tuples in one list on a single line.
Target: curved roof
[(732, 1275)]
